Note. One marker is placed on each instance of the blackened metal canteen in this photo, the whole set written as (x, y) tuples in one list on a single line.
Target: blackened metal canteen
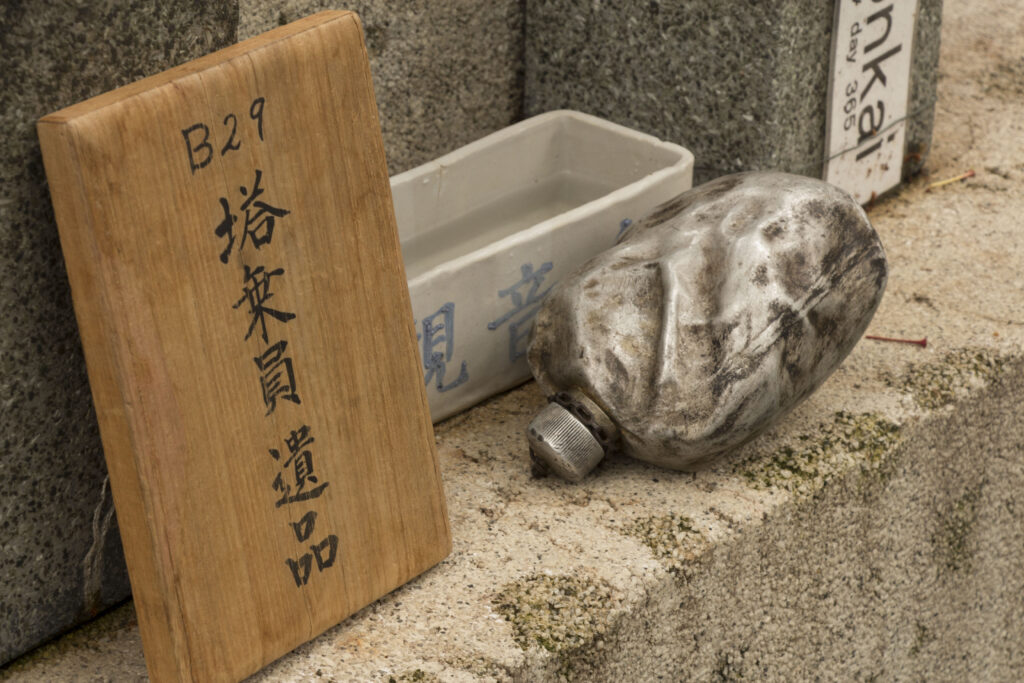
[(709, 320)]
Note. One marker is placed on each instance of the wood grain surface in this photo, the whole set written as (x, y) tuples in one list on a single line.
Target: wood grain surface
[(230, 241)]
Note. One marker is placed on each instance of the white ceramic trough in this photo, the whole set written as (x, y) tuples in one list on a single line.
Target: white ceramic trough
[(488, 229)]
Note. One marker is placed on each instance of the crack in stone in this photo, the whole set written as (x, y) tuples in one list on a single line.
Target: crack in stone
[(92, 564)]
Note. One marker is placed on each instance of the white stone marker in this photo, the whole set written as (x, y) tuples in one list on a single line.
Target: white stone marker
[(868, 94)]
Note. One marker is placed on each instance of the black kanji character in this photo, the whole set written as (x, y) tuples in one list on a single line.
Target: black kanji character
[(260, 218), (301, 569), (301, 462), (331, 544), (304, 527), (277, 379), (256, 294)]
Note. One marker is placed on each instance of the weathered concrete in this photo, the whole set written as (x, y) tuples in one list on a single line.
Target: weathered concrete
[(445, 73), (875, 533), (60, 555), (742, 85)]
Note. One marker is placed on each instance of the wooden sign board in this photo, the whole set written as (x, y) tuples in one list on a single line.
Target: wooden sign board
[(236, 273)]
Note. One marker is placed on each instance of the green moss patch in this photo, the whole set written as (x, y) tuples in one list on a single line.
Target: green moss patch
[(673, 538), (941, 382), (851, 440), (415, 675), (557, 613)]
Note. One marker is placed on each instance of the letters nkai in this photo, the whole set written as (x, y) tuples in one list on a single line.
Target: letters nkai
[(869, 90)]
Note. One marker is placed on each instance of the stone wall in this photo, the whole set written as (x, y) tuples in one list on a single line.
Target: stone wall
[(445, 73), (744, 86), (60, 555)]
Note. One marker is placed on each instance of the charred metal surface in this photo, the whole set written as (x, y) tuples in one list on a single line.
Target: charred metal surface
[(715, 315)]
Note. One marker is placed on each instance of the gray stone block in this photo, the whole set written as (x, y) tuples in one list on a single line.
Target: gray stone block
[(924, 68), (742, 85), (445, 73), (60, 554)]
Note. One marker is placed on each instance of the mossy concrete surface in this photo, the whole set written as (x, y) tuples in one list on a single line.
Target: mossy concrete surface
[(871, 535), (562, 614), (938, 383), (865, 440)]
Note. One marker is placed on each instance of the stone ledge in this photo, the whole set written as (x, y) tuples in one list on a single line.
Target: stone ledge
[(875, 534), (868, 550)]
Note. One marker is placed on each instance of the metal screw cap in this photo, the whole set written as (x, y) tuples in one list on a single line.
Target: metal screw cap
[(563, 443)]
